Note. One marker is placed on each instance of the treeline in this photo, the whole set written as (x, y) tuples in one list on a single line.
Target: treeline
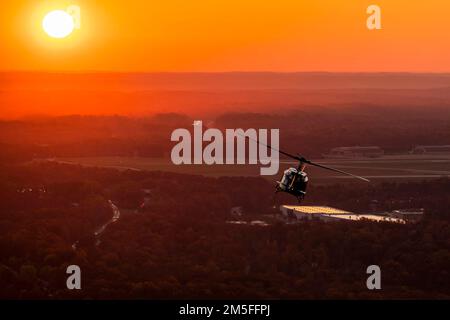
[(310, 130)]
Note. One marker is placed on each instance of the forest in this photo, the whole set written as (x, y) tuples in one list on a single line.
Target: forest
[(172, 240), (312, 130)]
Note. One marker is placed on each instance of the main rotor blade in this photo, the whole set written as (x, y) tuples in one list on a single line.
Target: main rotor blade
[(275, 149), (336, 170), (301, 159)]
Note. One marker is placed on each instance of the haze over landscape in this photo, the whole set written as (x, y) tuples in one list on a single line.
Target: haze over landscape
[(86, 176), (210, 94)]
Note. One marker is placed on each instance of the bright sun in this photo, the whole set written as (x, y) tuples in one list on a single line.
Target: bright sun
[(58, 24)]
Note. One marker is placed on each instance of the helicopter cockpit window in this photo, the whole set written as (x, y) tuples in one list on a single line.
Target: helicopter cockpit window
[(301, 183), (288, 175)]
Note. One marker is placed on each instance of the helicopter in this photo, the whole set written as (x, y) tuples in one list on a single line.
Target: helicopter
[(295, 180)]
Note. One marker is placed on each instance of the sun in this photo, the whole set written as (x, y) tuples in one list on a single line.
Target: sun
[(58, 24)]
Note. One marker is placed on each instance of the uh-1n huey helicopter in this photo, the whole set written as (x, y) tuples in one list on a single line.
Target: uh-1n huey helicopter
[(295, 180)]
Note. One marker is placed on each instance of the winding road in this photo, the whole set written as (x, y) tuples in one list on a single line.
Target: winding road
[(102, 228)]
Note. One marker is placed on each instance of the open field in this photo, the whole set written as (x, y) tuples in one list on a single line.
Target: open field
[(379, 169)]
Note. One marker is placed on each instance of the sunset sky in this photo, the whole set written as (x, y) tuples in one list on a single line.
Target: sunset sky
[(229, 35)]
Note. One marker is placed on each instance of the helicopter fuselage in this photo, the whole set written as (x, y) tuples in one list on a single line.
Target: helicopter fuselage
[(294, 182)]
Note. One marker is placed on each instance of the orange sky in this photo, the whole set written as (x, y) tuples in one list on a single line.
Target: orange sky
[(229, 35)]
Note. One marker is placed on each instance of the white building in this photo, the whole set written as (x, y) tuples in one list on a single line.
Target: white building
[(330, 214), (410, 215), (445, 149), (355, 152)]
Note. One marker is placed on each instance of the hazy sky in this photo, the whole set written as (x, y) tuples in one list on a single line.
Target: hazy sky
[(229, 35)]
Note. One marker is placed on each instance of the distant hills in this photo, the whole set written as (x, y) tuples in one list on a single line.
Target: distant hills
[(200, 94)]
